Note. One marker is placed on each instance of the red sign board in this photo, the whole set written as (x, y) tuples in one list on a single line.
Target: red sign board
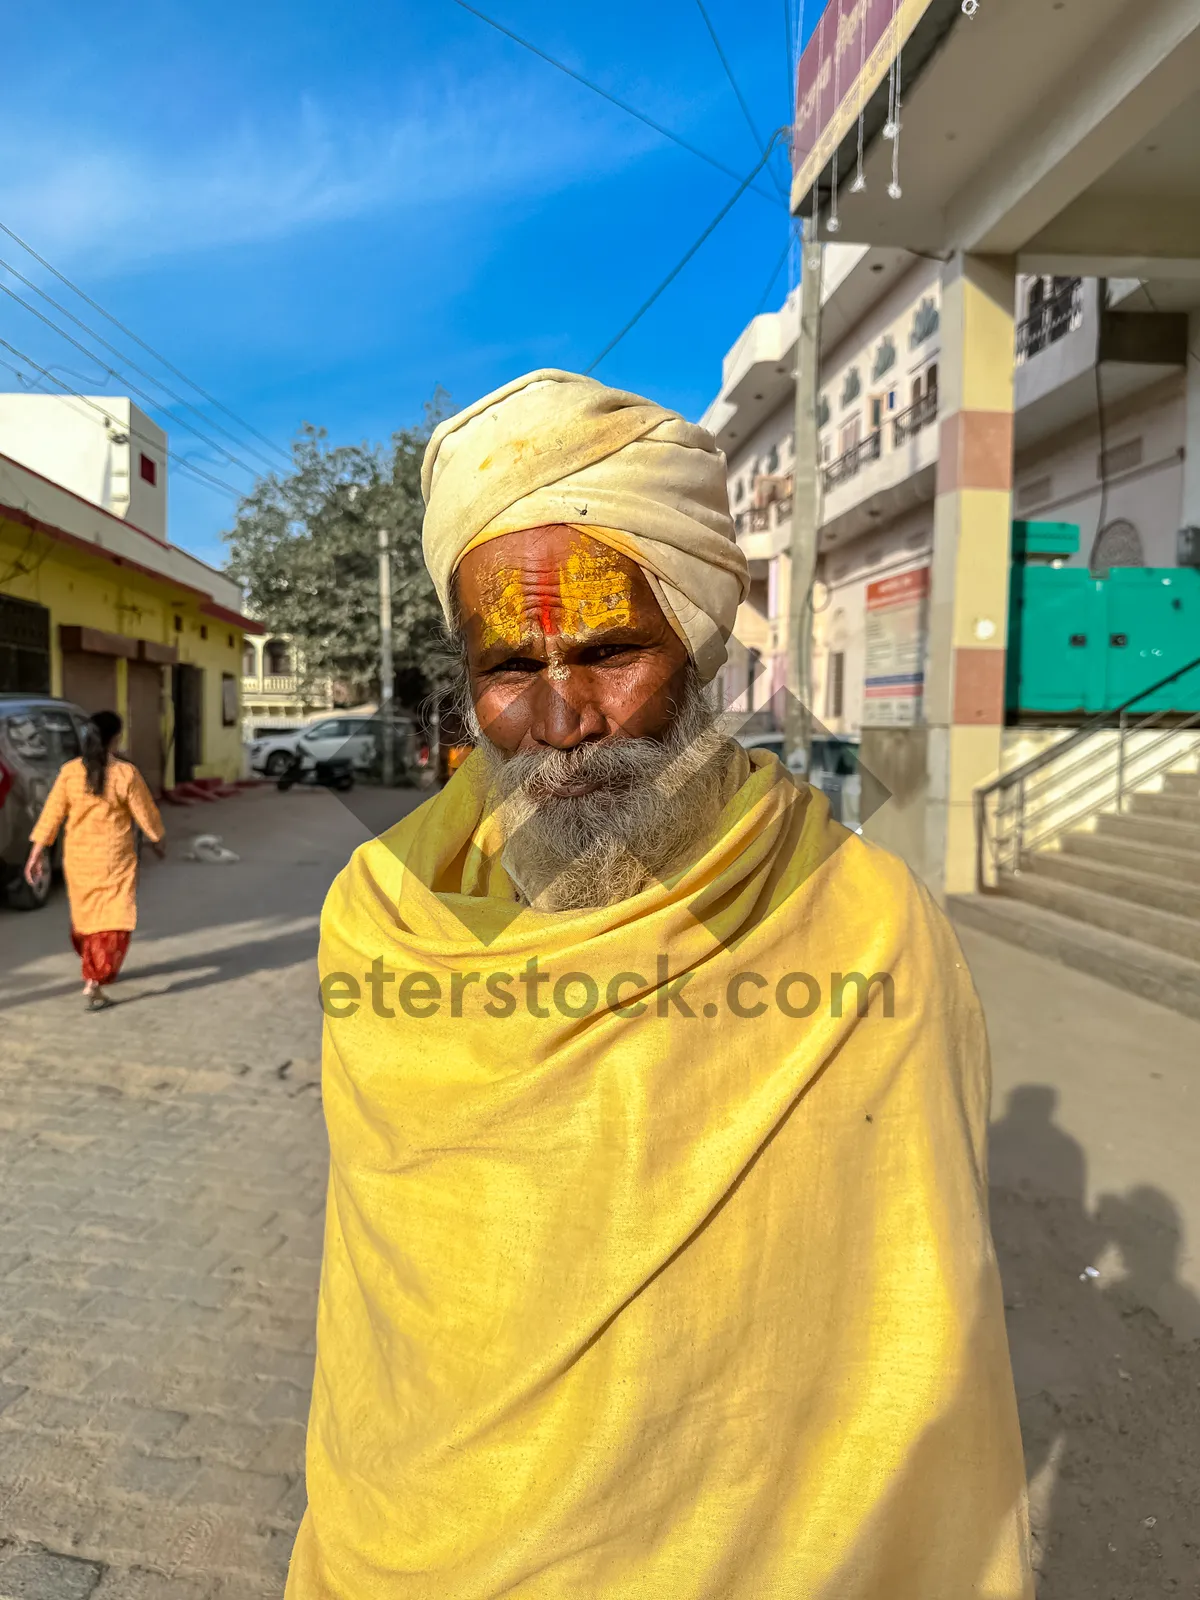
[(902, 589), (840, 46)]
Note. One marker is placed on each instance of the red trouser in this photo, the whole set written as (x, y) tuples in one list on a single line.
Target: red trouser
[(102, 953)]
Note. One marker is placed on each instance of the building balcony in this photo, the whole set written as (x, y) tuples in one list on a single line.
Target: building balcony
[(1060, 344), (765, 531), (850, 464), (909, 423), (888, 473), (270, 683)]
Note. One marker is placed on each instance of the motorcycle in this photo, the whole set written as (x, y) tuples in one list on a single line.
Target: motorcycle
[(336, 772)]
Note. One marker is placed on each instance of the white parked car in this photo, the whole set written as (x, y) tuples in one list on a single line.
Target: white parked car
[(344, 735)]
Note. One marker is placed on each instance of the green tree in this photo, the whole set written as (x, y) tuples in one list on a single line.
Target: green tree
[(305, 547)]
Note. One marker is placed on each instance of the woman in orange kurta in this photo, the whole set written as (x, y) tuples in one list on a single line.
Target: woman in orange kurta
[(102, 799)]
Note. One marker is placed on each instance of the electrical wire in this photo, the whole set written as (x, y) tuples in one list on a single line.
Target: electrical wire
[(125, 383), (760, 143), (621, 105), (179, 460), (775, 271), (148, 348), (120, 354), (679, 265)]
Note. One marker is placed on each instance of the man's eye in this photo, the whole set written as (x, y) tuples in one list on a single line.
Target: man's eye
[(516, 664), (607, 652)]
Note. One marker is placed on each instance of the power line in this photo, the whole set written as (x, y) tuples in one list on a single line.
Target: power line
[(125, 383), (120, 354), (679, 266), (179, 460), (759, 141), (775, 271), (604, 95), (148, 348)]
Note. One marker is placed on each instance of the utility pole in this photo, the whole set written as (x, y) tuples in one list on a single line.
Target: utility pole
[(805, 504), (387, 676)]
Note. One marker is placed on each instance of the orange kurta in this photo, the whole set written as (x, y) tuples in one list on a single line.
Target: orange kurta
[(100, 852)]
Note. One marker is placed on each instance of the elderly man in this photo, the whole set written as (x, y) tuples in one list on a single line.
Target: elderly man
[(657, 1260)]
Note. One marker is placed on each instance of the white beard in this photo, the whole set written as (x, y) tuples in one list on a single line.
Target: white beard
[(655, 801)]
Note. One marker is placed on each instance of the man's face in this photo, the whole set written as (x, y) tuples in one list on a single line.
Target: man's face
[(566, 643), (590, 715)]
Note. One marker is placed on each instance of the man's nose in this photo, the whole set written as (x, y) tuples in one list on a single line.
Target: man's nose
[(565, 712)]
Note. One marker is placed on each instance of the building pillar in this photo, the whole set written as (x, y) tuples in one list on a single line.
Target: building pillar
[(968, 610), (1191, 431)]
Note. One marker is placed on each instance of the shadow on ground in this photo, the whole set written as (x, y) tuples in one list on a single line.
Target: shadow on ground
[(1107, 1368)]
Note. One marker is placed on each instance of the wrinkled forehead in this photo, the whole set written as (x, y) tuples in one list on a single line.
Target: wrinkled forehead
[(551, 581)]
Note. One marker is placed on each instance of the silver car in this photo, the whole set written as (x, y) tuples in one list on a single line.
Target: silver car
[(37, 734)]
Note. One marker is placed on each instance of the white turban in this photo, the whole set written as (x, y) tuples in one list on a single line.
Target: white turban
[(554, 447)]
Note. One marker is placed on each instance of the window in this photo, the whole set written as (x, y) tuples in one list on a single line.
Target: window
[(773, 460), (891, 399), (916, 389), (249, 667), (148, 469), (835, 683), (229, 700), (876, 412), (1119, 458), (931, 378), (753, 664), (277, 659), (850, 434), (1035, 493)]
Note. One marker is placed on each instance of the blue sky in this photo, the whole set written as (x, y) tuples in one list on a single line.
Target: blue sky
[(321, 212)]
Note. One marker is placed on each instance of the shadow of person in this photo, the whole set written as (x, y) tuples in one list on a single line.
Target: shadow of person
[(1044, 1238), (1029, 1151), (1109, 1395), (1147, 1229)]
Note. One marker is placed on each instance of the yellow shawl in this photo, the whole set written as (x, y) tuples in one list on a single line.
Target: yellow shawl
[(656, 1306)]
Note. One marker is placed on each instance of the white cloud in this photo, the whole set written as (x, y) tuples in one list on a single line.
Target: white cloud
[(85, 196)]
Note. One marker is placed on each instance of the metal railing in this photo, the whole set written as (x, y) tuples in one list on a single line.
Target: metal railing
[(846, 466), (919, 415), (1051, 321), (1028, 808)]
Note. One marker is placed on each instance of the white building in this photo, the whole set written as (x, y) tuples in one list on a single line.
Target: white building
[(1102, 387), (100, 447)]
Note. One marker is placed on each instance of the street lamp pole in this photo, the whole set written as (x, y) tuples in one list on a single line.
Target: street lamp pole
[(387, 674)]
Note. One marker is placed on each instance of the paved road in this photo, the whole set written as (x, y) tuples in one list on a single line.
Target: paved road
[(162, 1171)]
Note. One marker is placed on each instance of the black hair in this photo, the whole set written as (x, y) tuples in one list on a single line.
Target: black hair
[(99, 732)]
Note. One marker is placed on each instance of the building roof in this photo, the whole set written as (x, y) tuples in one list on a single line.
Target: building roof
[(27, 498)]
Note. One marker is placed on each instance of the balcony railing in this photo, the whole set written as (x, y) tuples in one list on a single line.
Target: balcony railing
[(760, 518), (846, 466), (919, 415), (1051, 321), (270, 683)]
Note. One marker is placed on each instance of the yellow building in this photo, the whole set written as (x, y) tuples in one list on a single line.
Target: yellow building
[(109, 615)]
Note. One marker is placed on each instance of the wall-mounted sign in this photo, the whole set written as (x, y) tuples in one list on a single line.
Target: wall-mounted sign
[(897, 620)]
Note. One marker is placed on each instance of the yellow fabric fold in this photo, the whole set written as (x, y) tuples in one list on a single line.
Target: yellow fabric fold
[(700, 1307), (556, 447)]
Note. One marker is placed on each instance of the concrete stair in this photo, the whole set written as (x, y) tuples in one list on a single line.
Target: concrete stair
[(1121, 902)]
